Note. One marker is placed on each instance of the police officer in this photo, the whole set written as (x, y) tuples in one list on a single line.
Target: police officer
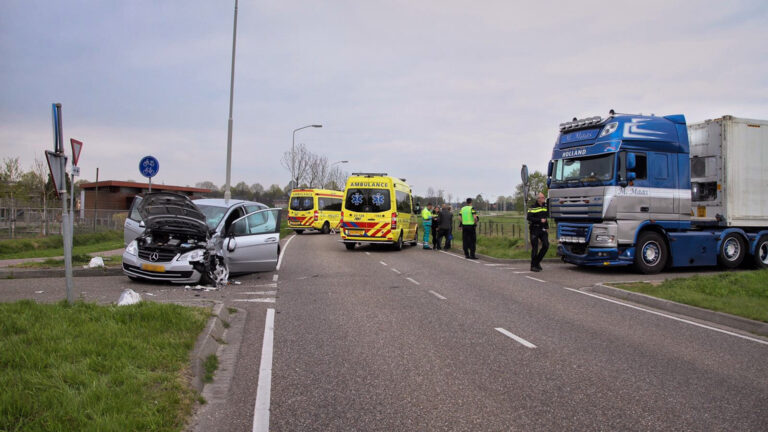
[(537, 223), (468, 229), (426, 216)]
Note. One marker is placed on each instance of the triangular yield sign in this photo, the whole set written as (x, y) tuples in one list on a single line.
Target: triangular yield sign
[(76, 147), (57, 165)]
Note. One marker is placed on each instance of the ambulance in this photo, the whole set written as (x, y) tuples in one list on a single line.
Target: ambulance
[(378, 209), (318, 209)]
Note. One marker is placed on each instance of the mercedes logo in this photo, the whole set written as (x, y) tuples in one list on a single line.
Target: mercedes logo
[(154, 257)]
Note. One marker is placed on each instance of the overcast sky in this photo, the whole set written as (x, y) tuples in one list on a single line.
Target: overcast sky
[(453, 95)]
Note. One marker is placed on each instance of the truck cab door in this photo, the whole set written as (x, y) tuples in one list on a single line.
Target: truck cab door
[(252, 242), (633, 200), (663, 185)]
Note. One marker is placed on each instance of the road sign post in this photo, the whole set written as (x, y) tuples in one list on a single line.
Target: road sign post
[(57, 163), (148, 167), (525, 178)]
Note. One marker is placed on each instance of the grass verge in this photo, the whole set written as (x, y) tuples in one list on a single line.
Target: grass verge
[(51, 246), (211, 364), (90, 367), (744, 294), (504, 247)]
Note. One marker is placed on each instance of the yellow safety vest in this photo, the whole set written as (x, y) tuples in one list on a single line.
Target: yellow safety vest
[(426, 214), (467, 215)]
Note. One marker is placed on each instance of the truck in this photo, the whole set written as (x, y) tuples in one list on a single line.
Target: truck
[(654, 192)]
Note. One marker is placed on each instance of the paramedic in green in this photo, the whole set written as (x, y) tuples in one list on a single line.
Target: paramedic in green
[(426, 216), (468, 227), (537, 222)]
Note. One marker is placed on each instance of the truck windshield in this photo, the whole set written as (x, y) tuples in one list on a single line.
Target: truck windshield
[(584, 170), (368, 200), (302, 203)]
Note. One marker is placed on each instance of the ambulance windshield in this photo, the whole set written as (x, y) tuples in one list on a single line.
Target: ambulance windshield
[(301, 203), (367, 200)]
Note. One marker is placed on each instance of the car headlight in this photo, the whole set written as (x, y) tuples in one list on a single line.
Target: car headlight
[(132, 248), (195, 255)]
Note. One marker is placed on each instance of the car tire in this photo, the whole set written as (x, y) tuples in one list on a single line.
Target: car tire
[(349, 246), (399, 244), (732, 251), (299, 232), (326, 229), (760, 258), (651, 253)]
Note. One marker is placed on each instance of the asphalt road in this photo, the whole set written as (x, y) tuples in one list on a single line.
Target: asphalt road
[(373, 339)]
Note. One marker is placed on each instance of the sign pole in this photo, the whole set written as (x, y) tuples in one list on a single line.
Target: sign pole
[(524, 176)]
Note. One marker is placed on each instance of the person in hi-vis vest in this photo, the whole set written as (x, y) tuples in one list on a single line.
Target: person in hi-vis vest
[(537, 222), (468, 225), (426, 216)]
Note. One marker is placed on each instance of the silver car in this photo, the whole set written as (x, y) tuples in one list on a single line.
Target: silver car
[(205, 240)]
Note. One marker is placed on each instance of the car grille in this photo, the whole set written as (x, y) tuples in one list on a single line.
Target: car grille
[(168, 275), (162, 255)]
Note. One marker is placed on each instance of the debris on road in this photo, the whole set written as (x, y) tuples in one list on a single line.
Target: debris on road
[(129, 297), (96, 262)]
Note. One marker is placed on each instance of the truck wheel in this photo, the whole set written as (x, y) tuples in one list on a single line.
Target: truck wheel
[(349, 246), (651, 253), (732, 251), (761, 253), (399, 245), (326, 228)]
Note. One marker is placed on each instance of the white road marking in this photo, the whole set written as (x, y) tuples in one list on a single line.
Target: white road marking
[(258, 293), (510, 268), (537, 280), (413, 281), (516, 338), (269, 285), (383, 263), (460, 257), (282, 252), (274, 278), (521, 272), (264, 387), (395, 270), (367, 253), (257, 300), (495, 265), (670, 317), (437, 295)]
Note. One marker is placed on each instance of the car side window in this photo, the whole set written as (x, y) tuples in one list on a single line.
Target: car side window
[(134, 213), (260, 222), (235, 214)]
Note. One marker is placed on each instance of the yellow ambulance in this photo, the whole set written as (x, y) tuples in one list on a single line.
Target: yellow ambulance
[(318, 209), (378, 209)]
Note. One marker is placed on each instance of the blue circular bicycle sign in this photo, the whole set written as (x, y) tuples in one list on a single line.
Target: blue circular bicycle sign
[(149, 166)]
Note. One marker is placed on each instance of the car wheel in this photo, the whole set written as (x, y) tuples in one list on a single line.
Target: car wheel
[(326, 228), (299, 232), (761, 253), (651, 253), (732, 251), (349, 246), (399, 245)]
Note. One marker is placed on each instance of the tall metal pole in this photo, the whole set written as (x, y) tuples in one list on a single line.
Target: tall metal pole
[(293, 153), (227, 192)]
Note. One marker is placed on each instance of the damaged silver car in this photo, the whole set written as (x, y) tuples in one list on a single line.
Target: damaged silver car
[(201, 241)]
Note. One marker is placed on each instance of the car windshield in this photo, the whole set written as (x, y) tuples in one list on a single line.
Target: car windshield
[(213, 214), (301, 203), (584, 170), (367, 200)]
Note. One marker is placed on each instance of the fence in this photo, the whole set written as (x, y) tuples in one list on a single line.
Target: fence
[(495, 228), (33, 222)]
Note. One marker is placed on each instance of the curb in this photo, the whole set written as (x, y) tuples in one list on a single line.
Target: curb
[(748, 325), (7, 273), (208, 343)]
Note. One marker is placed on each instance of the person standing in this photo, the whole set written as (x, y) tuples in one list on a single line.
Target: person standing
[(468, 226), (444, 226), (435, 222), (537, 222), (426, 216)]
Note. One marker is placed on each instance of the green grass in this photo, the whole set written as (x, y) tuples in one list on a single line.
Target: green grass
[(51, 246), (90, 367), (738, 293), (211, 364)]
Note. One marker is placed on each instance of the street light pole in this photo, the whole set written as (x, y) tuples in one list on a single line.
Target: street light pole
[(293, 153), (227, 192)]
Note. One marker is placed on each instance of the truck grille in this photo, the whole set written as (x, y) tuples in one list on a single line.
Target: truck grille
[(582, 207), (147, 254), (570, 233)]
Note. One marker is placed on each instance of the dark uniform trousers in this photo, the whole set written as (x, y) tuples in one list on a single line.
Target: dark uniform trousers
[(468, 239), (537, 236)]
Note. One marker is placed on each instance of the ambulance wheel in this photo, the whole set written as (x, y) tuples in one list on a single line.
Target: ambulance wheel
[(299, 232), (326, 228), (651, 253), (399, 245), (415, 241), (761, 253), (349, 246), (732, 251)]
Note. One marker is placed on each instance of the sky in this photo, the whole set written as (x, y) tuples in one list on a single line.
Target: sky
[(452, 95)]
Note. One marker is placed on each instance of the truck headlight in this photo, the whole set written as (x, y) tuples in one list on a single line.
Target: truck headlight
[(604, 238), (132, 248)]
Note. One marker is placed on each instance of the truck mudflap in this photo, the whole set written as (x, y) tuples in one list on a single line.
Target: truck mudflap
[(601, 257)]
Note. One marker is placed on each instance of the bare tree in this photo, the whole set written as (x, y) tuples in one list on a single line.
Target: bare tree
[(297, 161), (39, 169), (336, 179), (430, 192), (317, 172)]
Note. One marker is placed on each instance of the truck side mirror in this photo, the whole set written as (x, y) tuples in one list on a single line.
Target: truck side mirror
[(549, 181), (631, 175), (631, 161), (549, 169)]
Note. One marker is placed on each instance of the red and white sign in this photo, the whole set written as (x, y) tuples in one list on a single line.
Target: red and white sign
[(77, 146)]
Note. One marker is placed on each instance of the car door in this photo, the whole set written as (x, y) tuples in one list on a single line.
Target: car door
[(252, 242), (133, 226)]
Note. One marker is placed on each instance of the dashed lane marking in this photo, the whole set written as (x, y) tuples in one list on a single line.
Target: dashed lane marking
[(518, 339), (521, 272), (367, 253), (437, 295), (396, 270), (415, 282), (258, 293), (383, 263), (533, 278)]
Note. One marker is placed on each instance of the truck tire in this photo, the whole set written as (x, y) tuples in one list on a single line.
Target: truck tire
[(326, 228), (349, 246), (761, 253), (732, 251), (651, 253)]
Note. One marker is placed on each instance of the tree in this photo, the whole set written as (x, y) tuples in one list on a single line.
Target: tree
[(297, 162), (242, 191), (257, 191), (537, 182)]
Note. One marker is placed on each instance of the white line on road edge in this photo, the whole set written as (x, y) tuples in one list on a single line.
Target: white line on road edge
[(264, 387), (256, 300), (516, 338), (437, 295), (274, 278), (495, 265), (269, 285), (670, 317), (509, 268), (258, 293), (413, 281), (383, 263), (460, 257), (282, 253), (537, 280), (395, 270), (521, 272), (367, 253)]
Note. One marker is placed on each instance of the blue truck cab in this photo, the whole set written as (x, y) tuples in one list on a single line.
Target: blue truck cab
[(620, 193)]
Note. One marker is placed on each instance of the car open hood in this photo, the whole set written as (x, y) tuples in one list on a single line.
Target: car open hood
[(171, 212)]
